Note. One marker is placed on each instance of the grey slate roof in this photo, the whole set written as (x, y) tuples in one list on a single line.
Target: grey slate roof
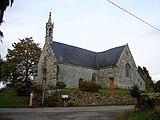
[(78, 56)]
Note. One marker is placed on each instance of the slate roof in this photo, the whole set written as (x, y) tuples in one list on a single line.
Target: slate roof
[(82, 57)]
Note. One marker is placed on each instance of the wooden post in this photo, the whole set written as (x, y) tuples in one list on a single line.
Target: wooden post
[(30, 100)]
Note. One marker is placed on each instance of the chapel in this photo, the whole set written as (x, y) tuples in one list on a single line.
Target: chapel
[(59, 62)]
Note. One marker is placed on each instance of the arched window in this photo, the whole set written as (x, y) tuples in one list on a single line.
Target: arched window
[(94, 77), (128, 70)]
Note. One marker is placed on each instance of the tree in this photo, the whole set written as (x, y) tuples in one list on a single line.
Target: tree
[(135, 92), (157, 86), (4, 70), (3, 5), (23, 59), (146, 77)]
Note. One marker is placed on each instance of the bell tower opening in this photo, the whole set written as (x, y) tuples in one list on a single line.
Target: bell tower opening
[(49, 30)]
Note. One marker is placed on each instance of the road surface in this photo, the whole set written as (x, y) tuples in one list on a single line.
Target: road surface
[(68, 113)]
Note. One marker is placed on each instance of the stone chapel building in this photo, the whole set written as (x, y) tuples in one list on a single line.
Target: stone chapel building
[(69, 64)]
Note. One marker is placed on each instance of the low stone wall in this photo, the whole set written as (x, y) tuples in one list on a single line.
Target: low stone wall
[(100, 99)]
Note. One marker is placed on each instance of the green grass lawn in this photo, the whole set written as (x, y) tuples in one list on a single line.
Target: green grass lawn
[(107, 90), (141, 115), (9, 99), (120, 90)]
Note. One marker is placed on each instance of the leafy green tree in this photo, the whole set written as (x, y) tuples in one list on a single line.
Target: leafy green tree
[(23, 59), (146, 77), (3, 5), (157, 86), (136, 93), (4, 70)]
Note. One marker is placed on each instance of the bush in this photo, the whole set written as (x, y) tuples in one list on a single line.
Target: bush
[(38, 89), (53, 101), (24, 88), (135, 92), (84, 86), (60, 85), (89, 86), (71, 104), (93, 87)]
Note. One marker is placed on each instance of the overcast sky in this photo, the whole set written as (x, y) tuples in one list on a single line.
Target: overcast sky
[(95, 25)]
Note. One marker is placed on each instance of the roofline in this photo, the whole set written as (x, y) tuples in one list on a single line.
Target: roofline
[(90, 50)]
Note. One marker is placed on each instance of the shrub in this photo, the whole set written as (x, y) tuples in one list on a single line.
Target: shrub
[(24, 88), (71, 104), (89, 86), (93, 87), (53, 101), (60, 85), (135, 92), (38, 89)]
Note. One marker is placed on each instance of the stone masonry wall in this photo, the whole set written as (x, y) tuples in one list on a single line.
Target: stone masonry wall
[(135, 78), (47, 66), (100, 99), (71, 74), (118, 73)]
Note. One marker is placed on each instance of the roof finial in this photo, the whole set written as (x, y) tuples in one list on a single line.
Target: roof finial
[(49, 20)]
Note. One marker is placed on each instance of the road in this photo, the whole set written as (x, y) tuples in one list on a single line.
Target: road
[(68, 113)]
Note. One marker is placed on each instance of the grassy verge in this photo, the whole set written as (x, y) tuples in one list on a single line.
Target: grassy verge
[(107, 90), (141, 115), (9, 99), (120, 90)]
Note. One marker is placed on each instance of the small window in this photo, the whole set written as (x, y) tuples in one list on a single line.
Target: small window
[(80, 81), (44, 81), (128, 71), (94, 77)]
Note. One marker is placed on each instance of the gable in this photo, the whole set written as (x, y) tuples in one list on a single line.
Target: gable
[(68, 54)]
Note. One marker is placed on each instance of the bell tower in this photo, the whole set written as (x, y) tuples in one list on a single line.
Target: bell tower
[(49, 30)]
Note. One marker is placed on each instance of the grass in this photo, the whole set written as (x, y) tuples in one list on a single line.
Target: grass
[(120, 90), (107, 90), (9, 99), (141, 115)]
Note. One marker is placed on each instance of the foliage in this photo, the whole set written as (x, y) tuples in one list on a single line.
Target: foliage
[(93, 87), (89, 86), (84, 86), (146, 77), (24, 88), (38, 89), (23, 59), (144, 101), (134, 91), (157, 86), (71, 104), (3, 5), (120, 90), (60, 85), (4, 70), (9, 99), (141, 115), (53, 100)]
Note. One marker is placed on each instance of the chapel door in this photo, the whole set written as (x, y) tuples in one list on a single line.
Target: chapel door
[(111, 83)]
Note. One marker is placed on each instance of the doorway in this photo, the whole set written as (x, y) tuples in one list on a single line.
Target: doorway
[(111, 83)]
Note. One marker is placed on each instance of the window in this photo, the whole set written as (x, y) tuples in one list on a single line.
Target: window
[(80, 81), (94, 77), (128, 70)]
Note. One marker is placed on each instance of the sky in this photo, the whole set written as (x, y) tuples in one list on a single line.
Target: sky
[(95, 25)]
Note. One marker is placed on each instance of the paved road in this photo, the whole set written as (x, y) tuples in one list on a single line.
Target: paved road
[(74, 113)]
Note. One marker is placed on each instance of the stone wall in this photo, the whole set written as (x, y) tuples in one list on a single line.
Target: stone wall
[(100, 99), (118, 73), (70, 74), (47, 66)]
